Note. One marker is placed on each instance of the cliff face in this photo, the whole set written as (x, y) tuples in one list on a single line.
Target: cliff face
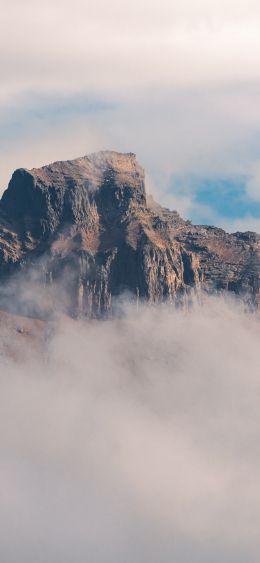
[(86, 228)]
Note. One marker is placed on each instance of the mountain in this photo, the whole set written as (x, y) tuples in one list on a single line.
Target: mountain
[(84, 231)]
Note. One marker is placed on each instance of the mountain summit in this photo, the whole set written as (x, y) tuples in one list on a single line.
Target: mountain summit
[(86, 226)]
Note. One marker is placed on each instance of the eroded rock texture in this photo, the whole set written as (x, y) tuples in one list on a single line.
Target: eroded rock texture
[(84, 233)]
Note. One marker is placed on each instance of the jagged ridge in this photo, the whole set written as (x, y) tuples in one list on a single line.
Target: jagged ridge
[(85, 225)]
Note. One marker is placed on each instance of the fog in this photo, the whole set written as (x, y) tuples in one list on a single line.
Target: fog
[(134, 439)]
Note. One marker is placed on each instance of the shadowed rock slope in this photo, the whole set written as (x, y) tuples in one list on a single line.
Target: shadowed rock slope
[(83, 232)]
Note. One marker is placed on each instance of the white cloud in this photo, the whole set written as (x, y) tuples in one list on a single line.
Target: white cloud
[(82, 45), (146, 451), (184, 78)]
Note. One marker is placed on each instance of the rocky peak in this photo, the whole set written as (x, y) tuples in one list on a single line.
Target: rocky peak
[(42, 199), (87, 232)]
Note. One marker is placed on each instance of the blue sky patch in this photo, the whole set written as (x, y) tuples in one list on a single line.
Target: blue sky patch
[(227, 197)]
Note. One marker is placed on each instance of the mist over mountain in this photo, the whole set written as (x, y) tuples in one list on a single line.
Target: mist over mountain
[(86, 232), (130, 285), (133, 439), (129, 425)]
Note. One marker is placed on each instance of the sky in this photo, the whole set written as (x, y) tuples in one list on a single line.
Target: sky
[(176, 82), (135, 439)]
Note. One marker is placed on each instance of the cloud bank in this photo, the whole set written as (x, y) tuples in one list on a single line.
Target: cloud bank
[(134, 440), (175, 82)]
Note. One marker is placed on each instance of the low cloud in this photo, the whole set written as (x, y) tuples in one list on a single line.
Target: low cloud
[(133, 439)]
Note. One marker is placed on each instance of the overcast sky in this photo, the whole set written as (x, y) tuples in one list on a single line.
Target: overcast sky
[(177, 82)]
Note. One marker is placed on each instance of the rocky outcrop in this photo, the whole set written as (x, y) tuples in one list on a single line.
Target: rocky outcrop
[(83, 233)]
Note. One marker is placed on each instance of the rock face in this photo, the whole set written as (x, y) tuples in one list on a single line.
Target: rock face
[(84, 231)]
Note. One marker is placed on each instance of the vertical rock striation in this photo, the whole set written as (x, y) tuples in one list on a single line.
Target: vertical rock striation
[(84, 231)]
